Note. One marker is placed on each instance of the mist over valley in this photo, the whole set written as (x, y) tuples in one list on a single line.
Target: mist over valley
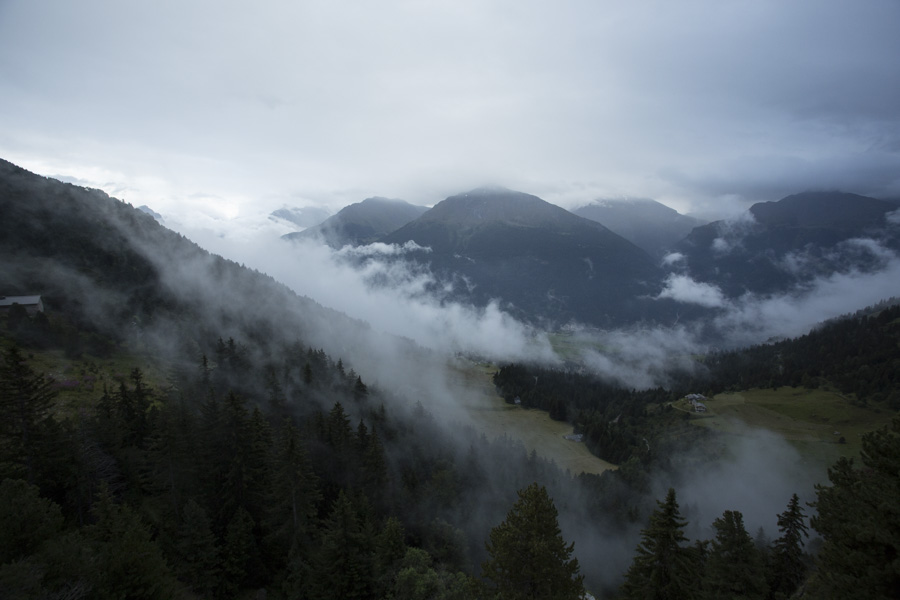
[(450, 341), (449, 300)]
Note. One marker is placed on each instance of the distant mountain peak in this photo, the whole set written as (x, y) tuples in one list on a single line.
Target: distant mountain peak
[(832, 209), (307, 216), (779, 244), (382, 200), (538, 260), (644, 222), (498, 204), (362, 223)]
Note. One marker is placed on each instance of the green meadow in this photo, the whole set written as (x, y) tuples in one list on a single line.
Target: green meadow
[(822, 424)]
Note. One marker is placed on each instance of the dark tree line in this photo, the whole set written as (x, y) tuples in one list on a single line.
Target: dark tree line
[(858, 354), (232, 478), (730, 565), (618, 424), (857, 515)]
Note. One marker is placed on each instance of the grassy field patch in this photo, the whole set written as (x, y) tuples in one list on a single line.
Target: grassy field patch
[(821, 423), (491, 415)]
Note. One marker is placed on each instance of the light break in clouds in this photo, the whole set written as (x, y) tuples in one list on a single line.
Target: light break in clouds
[(218, 109)]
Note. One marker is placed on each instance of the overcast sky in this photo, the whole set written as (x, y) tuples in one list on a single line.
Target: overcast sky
[(222, 109)]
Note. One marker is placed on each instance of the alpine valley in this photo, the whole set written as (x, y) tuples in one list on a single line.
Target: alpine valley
[(176, 425)]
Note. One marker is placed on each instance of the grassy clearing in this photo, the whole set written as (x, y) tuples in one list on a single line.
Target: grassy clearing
[(79, 381), (813, 421), (492, 416)]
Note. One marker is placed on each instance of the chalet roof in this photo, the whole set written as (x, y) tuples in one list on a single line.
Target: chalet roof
[(23, 300)]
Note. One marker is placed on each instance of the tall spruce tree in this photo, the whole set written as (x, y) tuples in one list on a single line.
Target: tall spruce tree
[(26, 399), (196, 550), (128, 562), (292, 498), (788, 563), (26, 519), (733, 568), (859, 519), (345, 563), (664, 568), (528, 556)]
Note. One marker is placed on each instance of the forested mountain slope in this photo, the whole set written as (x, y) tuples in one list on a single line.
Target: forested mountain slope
[(255, 462), (859, 354), (258, 461), (777, 245)]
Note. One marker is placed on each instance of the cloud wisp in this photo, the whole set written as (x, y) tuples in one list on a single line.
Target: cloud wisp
[(682, 288), (373, 284)]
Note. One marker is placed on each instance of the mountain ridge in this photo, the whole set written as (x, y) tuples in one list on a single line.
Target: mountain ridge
[(361, 223), (541, 261), (776, 245), (648, 224)]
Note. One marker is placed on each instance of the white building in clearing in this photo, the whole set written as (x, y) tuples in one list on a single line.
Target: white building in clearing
[(32, 304), (695, 402)]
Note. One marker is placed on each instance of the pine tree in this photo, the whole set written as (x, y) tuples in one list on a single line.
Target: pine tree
[(344, 564), (417, 579), (360, 390), (243, 444), (663, 568), (390, 548), (733, 568), (375, 473), (172, 454), (26, 519), (788, 564), (198, 555), (26, 399), (129, 564), (141, 399), (528, 557), (340, 433), (238, 553), (291, 502), (858, 516)]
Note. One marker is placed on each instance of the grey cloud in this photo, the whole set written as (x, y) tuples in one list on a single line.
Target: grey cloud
[(379, 249), (757, 474), (682, 288), (640, 357), (391, 295), (420, 101), (893, 217), (752, 319), (673, 258)]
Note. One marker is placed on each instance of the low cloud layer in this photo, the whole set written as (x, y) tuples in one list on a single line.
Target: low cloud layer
[(704, 106), (402, 298), (393, 296), (643, 356), (756, 475)]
